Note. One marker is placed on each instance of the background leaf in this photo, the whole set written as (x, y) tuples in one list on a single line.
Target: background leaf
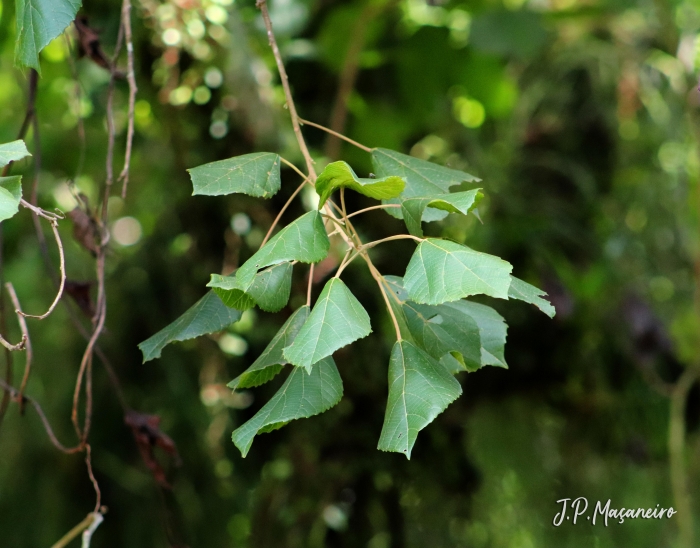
[(304, 240), (422, 178), (11, 152), (256, 174), (207, 315), (336, 320), (419, 390), (458, 202), (523, 291), (340, 174), (301, 396), (441, 271), (270, 362), (39, 22), (270, 289)]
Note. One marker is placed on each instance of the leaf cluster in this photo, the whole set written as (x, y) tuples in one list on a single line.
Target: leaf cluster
[(439, 333)]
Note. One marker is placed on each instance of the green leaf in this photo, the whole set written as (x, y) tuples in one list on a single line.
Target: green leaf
[(492, 330), (256, 174), (270, 289), (422, 178), (454, 365), (301, 396), (11, 152), (340, 174), (10, 195), (442, 329), (270, 362), (457, 202), (39, 22), (336, 320), (207, 315), (304, 240), (523, 291), (420, 389), (492, 327), (441, 271)]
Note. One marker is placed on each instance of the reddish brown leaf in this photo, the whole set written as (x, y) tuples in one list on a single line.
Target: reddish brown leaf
[(84, 230), (80, 293), (148, 436), (89, 45)]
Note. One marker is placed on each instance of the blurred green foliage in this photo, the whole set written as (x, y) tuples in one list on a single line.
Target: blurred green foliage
[(581, 118)]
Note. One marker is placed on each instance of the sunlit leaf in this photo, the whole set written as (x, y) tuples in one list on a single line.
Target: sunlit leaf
[(340, 174), (523, 291), (422, 178), (440, 271), (301, 396), (11, 152), (420, 389), (304, 240), (10, 195), (270, 362), (207, 315), (336, 320), (457, 202), (270, 290), (39, 22), (256, 174)]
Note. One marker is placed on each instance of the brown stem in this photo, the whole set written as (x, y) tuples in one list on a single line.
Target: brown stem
[(131, 79), (676, 449), (311, 283), (370, 245), (14, 393), (378, 278), (62, 260), (335, 134), (348, 77), (84, 525), (365, 210), (279, 215), (27, 344), (262, 6)]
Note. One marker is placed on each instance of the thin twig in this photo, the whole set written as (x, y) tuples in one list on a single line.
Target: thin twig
[(131, 79), (370, 245), (54, 440), (348, 74), (295, 168), (75, 531), (279, 215), (62, 263), (27, 344), (311, 283), (336, 134), (88, 463), (378, 278), (365, 210), (86, 362), (262, 6), (346, 261)]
